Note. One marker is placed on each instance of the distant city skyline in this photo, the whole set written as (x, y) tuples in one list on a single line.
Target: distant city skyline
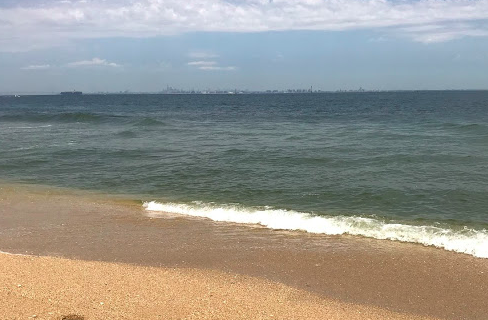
[(144, 46), (225, 92)]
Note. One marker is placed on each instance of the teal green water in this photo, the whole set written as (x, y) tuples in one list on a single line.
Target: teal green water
[(414, 158)]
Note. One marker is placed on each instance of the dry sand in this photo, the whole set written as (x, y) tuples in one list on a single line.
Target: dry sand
[(53, 288)]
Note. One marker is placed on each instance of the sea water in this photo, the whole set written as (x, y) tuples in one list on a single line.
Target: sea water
[(407, 166)]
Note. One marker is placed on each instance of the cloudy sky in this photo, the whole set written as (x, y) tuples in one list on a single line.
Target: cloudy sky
[(145, 45)]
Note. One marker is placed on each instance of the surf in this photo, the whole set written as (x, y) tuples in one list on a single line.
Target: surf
[(463, 240)]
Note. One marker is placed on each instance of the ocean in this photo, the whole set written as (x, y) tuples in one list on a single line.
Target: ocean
[(401, 166)]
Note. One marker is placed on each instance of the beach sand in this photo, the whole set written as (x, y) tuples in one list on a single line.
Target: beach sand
[(142, 267), (50, 288)]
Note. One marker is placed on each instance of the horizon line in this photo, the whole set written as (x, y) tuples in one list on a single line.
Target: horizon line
[(231, 92)]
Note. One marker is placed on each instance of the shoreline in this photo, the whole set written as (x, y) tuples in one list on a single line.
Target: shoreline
[(399, 277)]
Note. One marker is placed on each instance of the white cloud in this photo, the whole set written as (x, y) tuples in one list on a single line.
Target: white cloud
[(208, 65), (36, 67), (202, 63), (42, 23), (442, 33), (210, 68), (92, 62)]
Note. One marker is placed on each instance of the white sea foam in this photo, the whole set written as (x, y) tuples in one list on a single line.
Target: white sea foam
[(469, 241), (14, 254)]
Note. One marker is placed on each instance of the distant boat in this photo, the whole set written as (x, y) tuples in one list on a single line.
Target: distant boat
[(67, 93)]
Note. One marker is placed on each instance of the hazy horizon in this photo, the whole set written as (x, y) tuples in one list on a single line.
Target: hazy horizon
[(230, 92)]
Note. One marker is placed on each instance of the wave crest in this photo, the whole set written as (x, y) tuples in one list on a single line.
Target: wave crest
[(466, 240)]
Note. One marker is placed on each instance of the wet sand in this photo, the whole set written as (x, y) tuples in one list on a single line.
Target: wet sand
[(53, 288), (388, 275)]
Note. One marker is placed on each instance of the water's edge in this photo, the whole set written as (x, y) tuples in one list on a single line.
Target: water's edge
[(465, 240)]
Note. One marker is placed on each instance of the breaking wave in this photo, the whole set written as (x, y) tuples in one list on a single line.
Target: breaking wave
[(464, 240)]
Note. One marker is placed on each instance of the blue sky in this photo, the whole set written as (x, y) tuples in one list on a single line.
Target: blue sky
[(50, 46)]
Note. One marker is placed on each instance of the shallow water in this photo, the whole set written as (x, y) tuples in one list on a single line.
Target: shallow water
[(408, 166)]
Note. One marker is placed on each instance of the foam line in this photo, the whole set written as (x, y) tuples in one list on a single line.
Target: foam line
[(469, 241)]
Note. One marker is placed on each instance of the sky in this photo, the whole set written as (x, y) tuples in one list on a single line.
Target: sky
[(146, 45)]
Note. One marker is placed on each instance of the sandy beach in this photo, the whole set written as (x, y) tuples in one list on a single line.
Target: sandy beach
[(106, 258), (53, 288)]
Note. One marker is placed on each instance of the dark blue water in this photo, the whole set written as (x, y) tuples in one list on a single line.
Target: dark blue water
[(414, 158)]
